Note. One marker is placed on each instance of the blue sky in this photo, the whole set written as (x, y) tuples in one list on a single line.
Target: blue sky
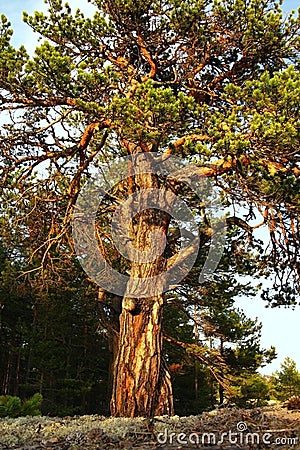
[(281, 327), (13, 10)]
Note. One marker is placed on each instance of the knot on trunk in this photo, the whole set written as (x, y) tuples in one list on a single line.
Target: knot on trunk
[(131, 305)]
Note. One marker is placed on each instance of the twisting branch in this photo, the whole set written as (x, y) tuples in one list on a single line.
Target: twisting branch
[(46, 102), (225, 165), (89, 131), (147, 56), (215, 362)]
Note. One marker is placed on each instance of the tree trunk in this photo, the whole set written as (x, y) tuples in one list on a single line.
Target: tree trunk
[(113, 347), (7, 376), (221, 388), (142, 384)]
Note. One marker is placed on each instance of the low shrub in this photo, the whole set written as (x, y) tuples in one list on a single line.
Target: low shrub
[(11, 406)]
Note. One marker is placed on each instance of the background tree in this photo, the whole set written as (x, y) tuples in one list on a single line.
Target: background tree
[(286, 381), (253, 391), (218, 348), (51, 340), (238, 340), (214, 82)]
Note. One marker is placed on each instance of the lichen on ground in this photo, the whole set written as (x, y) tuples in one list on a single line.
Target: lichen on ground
[(259, 428)]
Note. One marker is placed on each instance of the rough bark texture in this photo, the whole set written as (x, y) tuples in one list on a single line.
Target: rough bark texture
[(142, 384)]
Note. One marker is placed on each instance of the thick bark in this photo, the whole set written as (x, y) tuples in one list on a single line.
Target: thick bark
[(142, 384)]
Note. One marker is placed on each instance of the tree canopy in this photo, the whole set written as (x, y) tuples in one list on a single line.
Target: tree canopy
[(218, 80)]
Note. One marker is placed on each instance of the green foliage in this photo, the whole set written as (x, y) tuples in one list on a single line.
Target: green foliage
[(286, 381), (10, 406), (207, 320), (55, 66), (50, 341), (14, 407), (156, 72), (251, 391), (270, 106)]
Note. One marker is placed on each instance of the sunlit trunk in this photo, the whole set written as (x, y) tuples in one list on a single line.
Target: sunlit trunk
[(142, 384)]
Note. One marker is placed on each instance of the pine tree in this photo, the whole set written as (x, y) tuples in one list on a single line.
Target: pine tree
[(216, 83), (50, 337), (287, 380)]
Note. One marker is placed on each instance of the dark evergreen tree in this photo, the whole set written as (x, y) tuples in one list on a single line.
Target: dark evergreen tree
[(217, 348), (52, 341)]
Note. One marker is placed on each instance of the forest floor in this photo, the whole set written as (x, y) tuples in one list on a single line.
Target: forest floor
[(259, 428)]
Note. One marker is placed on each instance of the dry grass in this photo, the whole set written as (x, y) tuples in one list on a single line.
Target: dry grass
[(260, 428)]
